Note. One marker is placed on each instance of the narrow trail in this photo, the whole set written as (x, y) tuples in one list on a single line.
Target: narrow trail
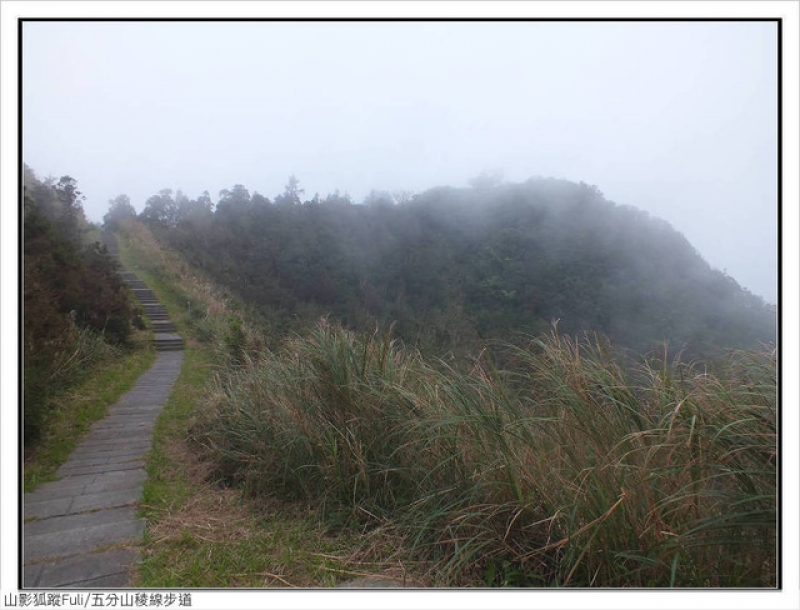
[(80, 531)]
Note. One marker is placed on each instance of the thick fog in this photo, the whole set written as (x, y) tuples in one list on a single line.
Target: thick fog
[(679, 119)]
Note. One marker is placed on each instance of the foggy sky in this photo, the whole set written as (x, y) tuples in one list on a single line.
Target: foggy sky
[(679, 119)]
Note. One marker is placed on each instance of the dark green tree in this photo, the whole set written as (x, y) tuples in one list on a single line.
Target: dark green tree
[(161, 209), (119, 210), (291, 194)]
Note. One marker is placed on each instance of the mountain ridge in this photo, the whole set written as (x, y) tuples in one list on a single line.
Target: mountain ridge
[(456, 267)]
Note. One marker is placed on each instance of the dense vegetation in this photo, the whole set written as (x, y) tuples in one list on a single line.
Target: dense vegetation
[(76, 309), (569, 464), (453, 268)]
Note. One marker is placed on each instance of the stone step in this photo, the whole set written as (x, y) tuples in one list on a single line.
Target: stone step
[(169, 348), (167, 337), (167, 341), (144, 295), (158, 316), (90, 571), (154, 308), (163, 326)]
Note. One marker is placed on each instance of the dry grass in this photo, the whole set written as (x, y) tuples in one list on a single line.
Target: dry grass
[(212, 514), (275, 540)]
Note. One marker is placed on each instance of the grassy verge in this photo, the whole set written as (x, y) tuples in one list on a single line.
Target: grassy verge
[(76, 409)]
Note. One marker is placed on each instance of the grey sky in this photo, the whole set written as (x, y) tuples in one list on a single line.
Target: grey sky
[(679, 119)]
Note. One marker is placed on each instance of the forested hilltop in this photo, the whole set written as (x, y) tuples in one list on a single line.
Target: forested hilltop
[(454, 267)]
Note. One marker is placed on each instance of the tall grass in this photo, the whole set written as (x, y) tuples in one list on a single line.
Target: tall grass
[(322, 418), (564, 469)]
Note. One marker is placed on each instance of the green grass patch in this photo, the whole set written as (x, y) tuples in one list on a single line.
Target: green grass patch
[(281, 550), (168, 486), (76, 409)]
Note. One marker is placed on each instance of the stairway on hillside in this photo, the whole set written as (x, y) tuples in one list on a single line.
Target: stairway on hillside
[(164, 336)]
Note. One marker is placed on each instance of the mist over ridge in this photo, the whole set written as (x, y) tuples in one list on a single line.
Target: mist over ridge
[(452, 268)]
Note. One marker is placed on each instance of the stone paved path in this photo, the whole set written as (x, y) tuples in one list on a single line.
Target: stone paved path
[(79, 519), (78, 530)]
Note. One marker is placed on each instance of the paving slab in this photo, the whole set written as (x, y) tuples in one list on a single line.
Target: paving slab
[(143, 446), (30, 575), (79, 521), (83, 569), (125, 409), (87, 460), (107, 444), (107, 459), (116, 456), (106, 499), (126, 419), (136, 479), (83, 540), (42, 509), (115, 581), (48, 495), (133, 413), (99, 468), (86, 479)]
